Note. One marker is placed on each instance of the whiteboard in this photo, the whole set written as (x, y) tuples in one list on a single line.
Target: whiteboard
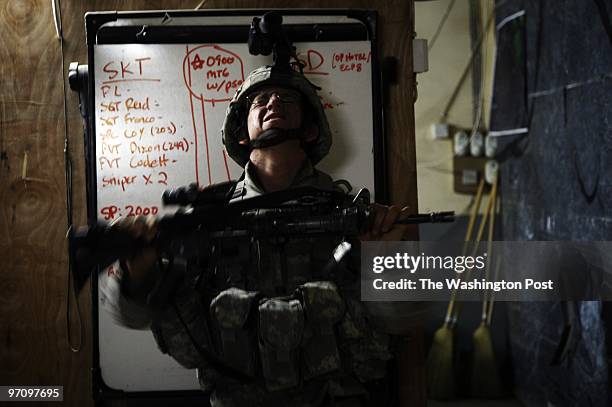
[(158, 111)]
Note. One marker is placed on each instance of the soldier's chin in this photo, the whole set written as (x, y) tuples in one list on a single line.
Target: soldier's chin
[(284, 145)]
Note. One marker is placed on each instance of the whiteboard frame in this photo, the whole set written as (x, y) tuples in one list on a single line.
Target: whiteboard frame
[(188, 26)]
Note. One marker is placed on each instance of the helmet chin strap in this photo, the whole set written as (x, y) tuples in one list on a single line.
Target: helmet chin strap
[(274, 136)]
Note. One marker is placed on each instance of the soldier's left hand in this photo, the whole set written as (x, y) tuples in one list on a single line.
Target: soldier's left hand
[(383, 227)]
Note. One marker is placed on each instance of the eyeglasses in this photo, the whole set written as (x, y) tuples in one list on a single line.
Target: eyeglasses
[(262, 98)]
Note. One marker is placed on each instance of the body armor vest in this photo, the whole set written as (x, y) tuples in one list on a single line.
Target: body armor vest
[(267, 319)]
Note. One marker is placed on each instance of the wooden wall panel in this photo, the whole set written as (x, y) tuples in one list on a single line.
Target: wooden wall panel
[(33, 262), (32, 206)]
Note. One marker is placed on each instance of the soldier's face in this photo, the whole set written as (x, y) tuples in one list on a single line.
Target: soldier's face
[(274, 107)]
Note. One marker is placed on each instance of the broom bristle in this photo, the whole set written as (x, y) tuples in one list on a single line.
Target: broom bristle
[(485, 376), (440, 381)]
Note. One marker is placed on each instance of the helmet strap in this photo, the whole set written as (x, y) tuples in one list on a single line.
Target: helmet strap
[(274, 136)]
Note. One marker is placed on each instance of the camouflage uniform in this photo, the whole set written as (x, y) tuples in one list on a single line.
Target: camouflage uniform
[(265, 322), (266, 309)]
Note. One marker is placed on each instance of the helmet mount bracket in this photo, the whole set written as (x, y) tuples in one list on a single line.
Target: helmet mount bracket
[(266, 36)]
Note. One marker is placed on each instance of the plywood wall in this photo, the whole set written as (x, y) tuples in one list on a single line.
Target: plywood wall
[(34, 346)]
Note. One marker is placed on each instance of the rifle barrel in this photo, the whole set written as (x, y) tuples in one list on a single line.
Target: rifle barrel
[(433, 217)]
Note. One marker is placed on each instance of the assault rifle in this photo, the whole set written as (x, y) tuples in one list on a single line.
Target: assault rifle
[(205, 216)]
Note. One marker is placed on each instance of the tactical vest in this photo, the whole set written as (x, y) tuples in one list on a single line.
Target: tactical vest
[(267, 322)]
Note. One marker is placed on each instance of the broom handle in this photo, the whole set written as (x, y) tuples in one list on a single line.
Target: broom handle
[(495, 277), (481, 228), (475, 209), (489, 245), (466, 241), (492, 299)]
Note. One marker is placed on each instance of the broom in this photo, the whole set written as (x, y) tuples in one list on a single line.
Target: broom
[(478, 239), (454, 316), (440, 381), (485, 381)]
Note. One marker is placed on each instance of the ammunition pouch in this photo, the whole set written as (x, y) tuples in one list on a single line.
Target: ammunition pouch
[(230, 311), (281, 325), (323, 308)]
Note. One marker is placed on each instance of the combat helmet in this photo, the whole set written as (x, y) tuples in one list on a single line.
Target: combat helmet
[(234, 125)]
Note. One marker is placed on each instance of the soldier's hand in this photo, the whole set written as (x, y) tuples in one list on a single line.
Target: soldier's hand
[(141, 264), (383, 227)]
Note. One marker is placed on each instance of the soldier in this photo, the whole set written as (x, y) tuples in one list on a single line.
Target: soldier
[(267, 323)]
